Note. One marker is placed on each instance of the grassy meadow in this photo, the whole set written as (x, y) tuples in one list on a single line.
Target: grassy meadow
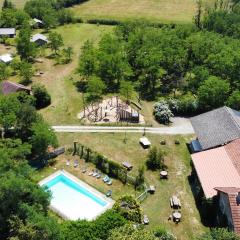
[(66, 100), (179, 11), (156, 206)]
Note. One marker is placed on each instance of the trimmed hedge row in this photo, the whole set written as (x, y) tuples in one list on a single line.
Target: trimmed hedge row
[(107, 166)]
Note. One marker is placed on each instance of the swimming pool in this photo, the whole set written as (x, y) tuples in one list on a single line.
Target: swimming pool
[(73, 199)]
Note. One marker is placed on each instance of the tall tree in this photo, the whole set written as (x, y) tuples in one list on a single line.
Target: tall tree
[(25, 48), (56, 41)]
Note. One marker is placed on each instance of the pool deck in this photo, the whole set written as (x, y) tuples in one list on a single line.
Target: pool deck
[(98, 194)]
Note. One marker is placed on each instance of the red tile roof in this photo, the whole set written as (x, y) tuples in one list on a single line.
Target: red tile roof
[(215, 168), (8, 87), (234, 207)]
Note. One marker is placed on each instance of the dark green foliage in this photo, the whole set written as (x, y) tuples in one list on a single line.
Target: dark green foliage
[(129, 208), (95, 89), (219, 234), (56, 41), (155, 159), (97, 229), (213, 93), (130, 232), (7, 4), (140, 178), (162, 234), (25, 48), (42, 137), (43, 99), (26, 72), (234, 100)]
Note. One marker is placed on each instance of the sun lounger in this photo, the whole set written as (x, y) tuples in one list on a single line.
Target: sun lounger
[(84, 170), (75, 163), (90, 173), (68, 162), (95, 173), (106, 178), (98, 175), (109, 182), (109, 193)]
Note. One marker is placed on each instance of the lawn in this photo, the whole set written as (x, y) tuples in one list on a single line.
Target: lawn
[(17, 3), (66, 100), (179, 11), (155, 206)]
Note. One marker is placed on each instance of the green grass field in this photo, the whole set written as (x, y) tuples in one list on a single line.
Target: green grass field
[(155, 206), (66, 100), (17, 3), (179, 11)]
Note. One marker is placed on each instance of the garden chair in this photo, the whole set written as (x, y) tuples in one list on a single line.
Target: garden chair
[(75, 163), (109, 193)]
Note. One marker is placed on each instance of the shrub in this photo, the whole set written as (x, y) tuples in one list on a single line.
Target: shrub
[(162, 234), (129, 208), (43, 99), (155, 159), (162, 112), (140, 179), (234, 100)]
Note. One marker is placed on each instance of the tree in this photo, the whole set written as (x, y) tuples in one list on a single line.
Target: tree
[(68, 52), (26, 72), (43, 99), (5, 71), (155, 159), (7, 4), (56, 41), (95, 89), (42, 137), (25, 48), (129, 208), (162, 112), (97, 229), (131, 233), (219, 234), (126, 89), (234, 100), (213, 93), (140, 179), (198, 15), (9, 107), (87, 61)]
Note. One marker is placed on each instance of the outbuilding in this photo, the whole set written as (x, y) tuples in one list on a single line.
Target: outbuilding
[(7, 32), (6, 58), (39, 39)]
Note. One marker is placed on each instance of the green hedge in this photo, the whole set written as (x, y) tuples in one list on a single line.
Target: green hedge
[(107, 166)]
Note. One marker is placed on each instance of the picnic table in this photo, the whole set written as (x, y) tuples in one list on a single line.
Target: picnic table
[(175, 202), (127, 165)]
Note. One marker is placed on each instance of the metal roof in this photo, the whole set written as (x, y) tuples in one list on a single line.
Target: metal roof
[(217, 127), (7, 31), (38, 36), (6, 58), (216, 168)]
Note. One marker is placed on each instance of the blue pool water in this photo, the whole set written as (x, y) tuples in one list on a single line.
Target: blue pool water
[(75, 200), (69, 183)]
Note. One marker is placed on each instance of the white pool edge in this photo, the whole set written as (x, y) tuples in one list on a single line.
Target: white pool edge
[(91, 189)]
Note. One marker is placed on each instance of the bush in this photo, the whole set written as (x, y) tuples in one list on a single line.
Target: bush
[(129, 208), (140, 179), (155, 159), (43, 99), (104, 22), (162, 234), (187, 104), (234, 100), (162, 112)]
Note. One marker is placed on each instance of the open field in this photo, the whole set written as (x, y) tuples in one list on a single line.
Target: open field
[(17, 3), (179, 11), (155, 206), (66, 100)]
